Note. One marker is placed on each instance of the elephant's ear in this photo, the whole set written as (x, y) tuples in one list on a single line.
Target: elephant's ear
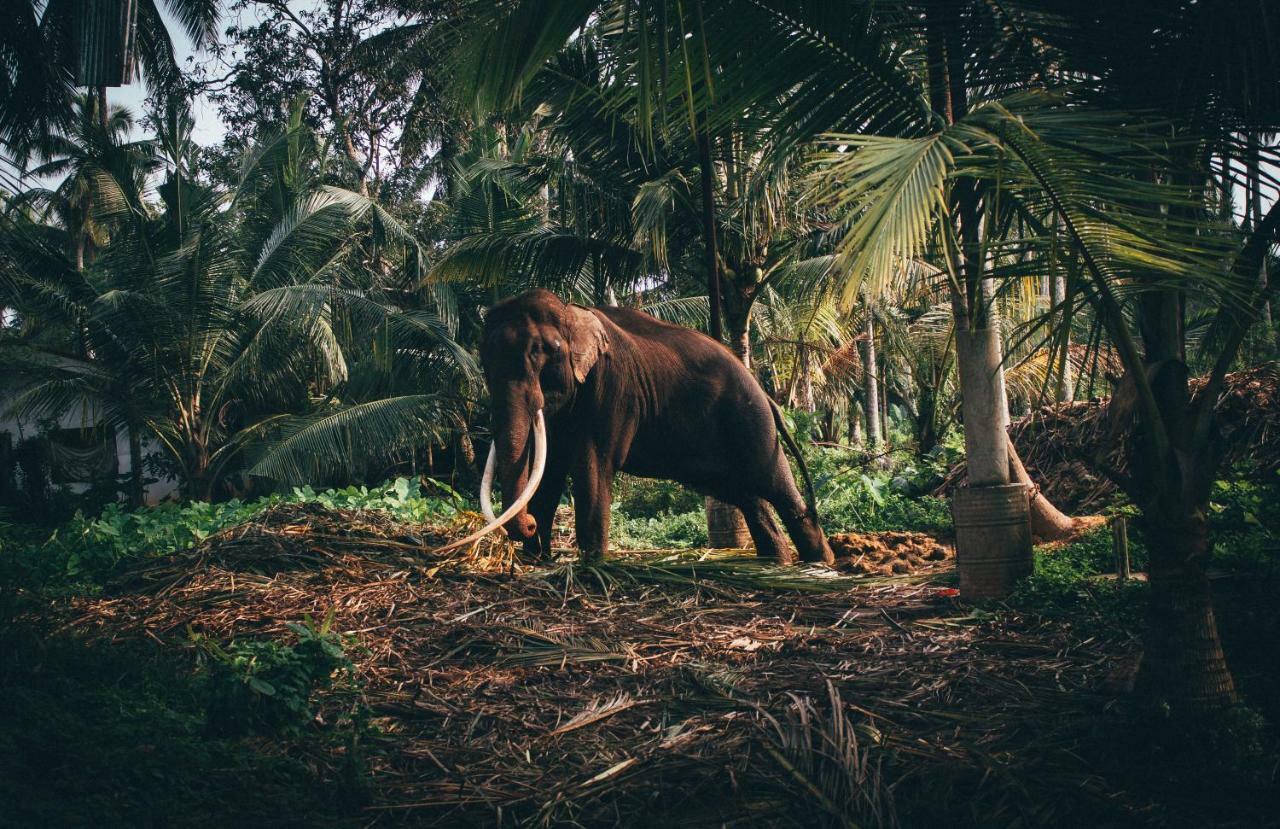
[(587, 339)]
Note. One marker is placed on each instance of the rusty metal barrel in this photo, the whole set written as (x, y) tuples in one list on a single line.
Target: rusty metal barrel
[(993, 538), (726, 528)]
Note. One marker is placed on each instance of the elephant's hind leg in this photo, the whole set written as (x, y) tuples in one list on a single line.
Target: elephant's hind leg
[(764, 531), (801, 522)]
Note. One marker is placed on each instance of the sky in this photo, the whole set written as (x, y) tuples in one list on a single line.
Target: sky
[(208, 129)]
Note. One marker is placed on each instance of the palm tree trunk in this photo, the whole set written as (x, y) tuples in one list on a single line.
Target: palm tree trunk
[(884, 403), (1048, 523), (871, 372), (1254, 211), (1183, 661), (1065, 384), (978, 361), (855, 422), (137, 492), (710, 251)]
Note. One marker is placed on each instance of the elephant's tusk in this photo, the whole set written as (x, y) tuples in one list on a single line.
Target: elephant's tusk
[(486, 484), (539, 466)]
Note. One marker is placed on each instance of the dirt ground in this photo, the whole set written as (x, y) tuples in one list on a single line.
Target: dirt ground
[(691, 688)]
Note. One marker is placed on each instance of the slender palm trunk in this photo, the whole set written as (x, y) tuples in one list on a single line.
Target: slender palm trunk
[(855, 422), (1254, 211), (137, 493), (983, 406), (1048, 523), (1183, 662), (871, 375), (710, 251), (1064, 387)]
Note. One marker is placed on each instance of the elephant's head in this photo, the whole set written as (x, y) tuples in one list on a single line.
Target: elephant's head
[(536, 351)]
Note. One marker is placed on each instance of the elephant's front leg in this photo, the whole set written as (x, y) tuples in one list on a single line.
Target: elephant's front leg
[(592, 496), (543, 509)]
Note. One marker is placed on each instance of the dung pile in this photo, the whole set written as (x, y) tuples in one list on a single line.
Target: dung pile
[(1061, 443), (888, 553)]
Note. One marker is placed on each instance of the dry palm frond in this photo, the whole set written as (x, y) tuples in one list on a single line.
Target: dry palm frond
[(596, 710), (821, 753)]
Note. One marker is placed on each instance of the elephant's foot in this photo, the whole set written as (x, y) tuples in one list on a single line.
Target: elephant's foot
[(590, 558)]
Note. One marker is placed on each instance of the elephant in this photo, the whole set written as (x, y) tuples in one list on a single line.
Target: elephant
[(584, 393)]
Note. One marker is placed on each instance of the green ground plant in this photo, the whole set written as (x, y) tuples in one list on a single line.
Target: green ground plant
[(268, 686), (88, 549)]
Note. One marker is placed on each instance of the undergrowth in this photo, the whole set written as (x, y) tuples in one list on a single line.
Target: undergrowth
[(116, 734), (89, 548), (1070, 582)]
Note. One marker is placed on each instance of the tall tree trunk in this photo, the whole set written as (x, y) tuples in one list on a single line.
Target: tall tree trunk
[(710, 250), (926, 420), (738, 301), (1183, 660), (884, 402), (1254, 212), (1064, 388), (855, 422), (871, 383), (137, 493), (983, 407)]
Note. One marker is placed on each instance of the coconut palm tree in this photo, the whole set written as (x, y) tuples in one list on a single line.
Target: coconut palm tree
[(283, 347)]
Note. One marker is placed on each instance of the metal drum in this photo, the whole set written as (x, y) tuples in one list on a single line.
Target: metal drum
[(993, 538), (726, 528)]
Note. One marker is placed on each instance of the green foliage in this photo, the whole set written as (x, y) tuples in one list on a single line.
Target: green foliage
[(263, 685), (666, 531), (112, 734), (1244, 520), (91, 548), (649, 498), (854, 495), (1067, 583)]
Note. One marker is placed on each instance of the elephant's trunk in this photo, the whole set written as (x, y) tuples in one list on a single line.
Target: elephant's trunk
[(524, 481)]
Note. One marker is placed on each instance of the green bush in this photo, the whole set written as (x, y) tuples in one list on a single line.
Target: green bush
[(649, 497), (91, 548), (266, 686), (1067, 584), (875, 503), (1244, 521), (662, 532)]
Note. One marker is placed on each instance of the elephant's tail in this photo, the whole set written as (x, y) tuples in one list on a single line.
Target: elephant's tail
[(810, 500)]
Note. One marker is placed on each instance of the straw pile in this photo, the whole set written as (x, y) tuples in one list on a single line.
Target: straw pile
[(1060, 442), (692, 688)]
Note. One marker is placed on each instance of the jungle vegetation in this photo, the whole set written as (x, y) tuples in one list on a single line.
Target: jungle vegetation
[(914, 221)]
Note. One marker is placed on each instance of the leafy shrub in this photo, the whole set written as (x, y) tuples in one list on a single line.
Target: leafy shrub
[(649, 497), (875, 503), (662, 532), (1244, 521), (266, 686), (91, 548), (1066, 584)]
